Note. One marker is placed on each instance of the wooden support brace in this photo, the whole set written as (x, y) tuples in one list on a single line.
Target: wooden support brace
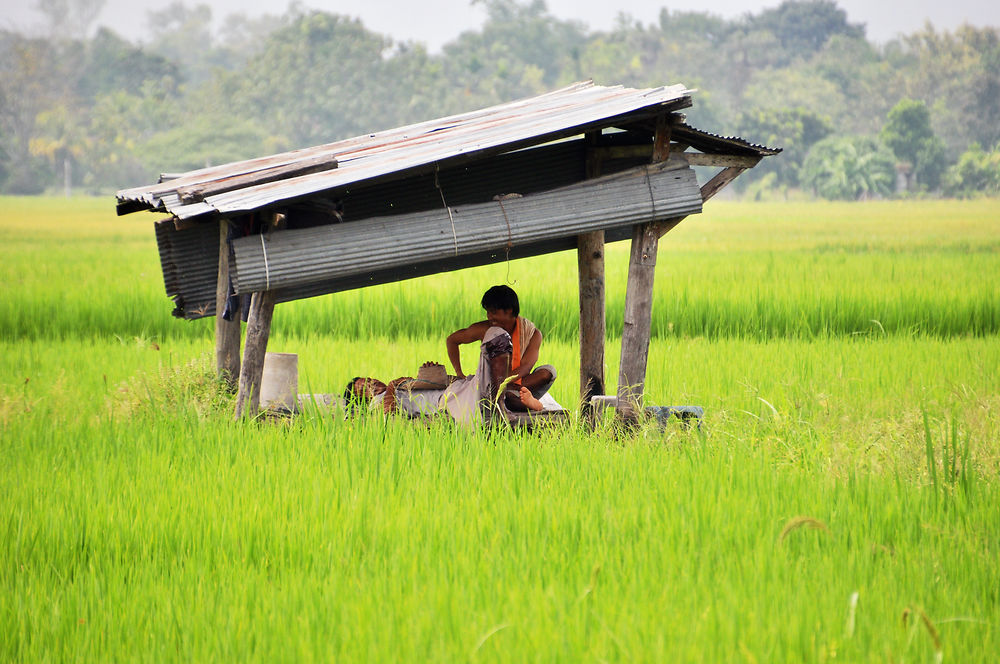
[(669, 225), (227, 332), (721, 179)]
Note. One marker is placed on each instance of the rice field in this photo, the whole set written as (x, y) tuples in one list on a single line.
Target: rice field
[(840, 501)]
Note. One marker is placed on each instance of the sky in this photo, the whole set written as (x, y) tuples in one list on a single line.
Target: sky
[(436, 22)]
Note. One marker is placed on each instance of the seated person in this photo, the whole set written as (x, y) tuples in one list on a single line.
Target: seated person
[(510, 345)]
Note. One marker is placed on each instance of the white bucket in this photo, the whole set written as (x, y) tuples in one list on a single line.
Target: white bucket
[(279, 385)]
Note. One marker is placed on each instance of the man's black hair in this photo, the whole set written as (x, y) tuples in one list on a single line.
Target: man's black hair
[(501, 297)]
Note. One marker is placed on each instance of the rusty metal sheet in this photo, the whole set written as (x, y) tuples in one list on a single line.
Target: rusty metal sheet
[(401, 152)]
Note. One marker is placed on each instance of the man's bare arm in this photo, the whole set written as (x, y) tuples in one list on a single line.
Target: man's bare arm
[(467, 335)]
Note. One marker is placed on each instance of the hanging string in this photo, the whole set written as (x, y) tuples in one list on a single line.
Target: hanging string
[(267, 269), (454, 235), (652, 198), (499, 198)]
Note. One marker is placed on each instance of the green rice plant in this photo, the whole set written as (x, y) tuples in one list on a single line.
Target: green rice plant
[(955, 472), (139, 521), (758, 271), (799, 522)]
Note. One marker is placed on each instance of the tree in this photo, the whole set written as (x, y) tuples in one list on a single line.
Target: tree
[(62, 139), (68, 19), (981, 105), (26, 70), (795, 130), (803, 27), (522, 50), (243, 37), (112, 64), (849, 168), (183, 35), (121, 124), (958, 76), (317, 80), (977, 173), (205, 141), (795, 88), (694, 26), (908, 133)]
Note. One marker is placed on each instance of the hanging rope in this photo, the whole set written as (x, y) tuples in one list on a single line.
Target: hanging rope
[(267, 269), (652, 199), (500, 198), (454, 235)]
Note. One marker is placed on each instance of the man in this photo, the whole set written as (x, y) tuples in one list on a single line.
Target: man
[(510, 345)]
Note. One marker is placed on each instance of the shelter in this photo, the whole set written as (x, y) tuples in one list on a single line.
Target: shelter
[(571, 169)]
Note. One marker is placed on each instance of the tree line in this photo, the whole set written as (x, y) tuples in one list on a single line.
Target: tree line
[(94, 111)]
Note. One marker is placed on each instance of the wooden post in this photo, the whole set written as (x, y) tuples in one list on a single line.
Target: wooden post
[(638, 319), (258, 330), (639, 301), (227, 332), (590, 258), (590, 262)]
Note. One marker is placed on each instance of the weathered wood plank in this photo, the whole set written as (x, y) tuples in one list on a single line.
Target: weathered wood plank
[(637, 321), (590, 267), (198, 192), (669, 224), (227, 332), (718, 183), (258, 331), (661, 140), (643, 151), (639, 300), (702, 159), (590, 258)]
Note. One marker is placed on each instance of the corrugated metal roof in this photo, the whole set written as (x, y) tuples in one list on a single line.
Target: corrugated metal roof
[(417, 197), (189, 253), (716, 144), (397, 153), (288, 259)]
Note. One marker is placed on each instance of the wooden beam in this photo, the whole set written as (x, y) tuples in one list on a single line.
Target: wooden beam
[(590, 262), (721, 179), (692, 158), (643, 151), (702, 159), (661, 140), (184, 224), (639, 300), (198, 192), (624, 151), (227, 332), (258, 331)]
